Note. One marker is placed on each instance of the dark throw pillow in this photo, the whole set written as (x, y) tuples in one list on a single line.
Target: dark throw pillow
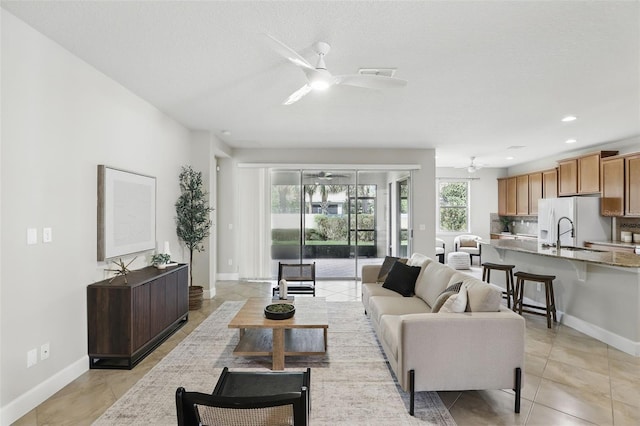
[(402, 279), (386, 267), (446, 293)]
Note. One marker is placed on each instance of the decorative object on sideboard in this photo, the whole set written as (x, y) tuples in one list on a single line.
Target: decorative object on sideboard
[(193, 224), (505, 223), (160, 260), (121, 270)]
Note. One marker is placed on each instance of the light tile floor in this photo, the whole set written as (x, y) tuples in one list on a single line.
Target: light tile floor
[(570, 378)]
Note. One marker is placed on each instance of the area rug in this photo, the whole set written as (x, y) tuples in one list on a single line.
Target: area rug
[(350, 385)]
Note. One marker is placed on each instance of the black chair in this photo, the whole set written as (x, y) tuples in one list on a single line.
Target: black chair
[(302, 273), (248, 398)]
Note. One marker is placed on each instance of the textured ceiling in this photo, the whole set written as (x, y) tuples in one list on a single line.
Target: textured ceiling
[(483, 76)]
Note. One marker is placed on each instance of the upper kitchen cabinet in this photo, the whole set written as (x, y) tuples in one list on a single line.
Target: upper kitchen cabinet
[(511, 196), (632, 185), (535, 191), (581, 175), (613, 189), (550, 183), (522, 195), (502, 197), (568, 177)]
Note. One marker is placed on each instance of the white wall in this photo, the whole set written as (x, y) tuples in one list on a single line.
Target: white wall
[(484, 200), (61, 118)]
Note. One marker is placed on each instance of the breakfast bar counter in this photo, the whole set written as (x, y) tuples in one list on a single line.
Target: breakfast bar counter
[(596, 292)]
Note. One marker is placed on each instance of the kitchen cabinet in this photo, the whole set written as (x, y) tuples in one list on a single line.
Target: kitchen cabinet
[(612, 179), (535, 191), (568, 177), (550, 183), (581, 175), (522, 195), (632, 185), (511, 196), (502, 197)]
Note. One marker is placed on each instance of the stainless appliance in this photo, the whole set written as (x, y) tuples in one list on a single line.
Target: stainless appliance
[(583, 212)]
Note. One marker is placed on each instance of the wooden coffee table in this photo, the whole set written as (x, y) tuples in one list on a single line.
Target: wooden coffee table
[(304, 334)]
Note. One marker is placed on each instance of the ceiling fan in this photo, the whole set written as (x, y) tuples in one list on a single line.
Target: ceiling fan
[(323, 175), (318, 78), (472, 167)]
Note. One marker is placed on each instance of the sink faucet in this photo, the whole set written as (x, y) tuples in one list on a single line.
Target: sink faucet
[(572, 230)]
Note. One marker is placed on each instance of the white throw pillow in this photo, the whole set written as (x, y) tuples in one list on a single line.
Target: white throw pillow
[(456, 302)]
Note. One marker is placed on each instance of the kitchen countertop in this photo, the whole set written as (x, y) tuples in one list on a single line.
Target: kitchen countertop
[(515, 236), (615, 244), (610, 258)]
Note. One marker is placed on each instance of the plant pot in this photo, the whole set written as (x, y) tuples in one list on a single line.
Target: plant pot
[(161, 265), (195, 297)]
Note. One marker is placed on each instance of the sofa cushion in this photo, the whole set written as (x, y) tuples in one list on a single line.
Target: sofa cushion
[(434, 278), (375, 289), (386, 266), (402, 278), (446, 293), (456, 302), (385, 305), (481, 297)]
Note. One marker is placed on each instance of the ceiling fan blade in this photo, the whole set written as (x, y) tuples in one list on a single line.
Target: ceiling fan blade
[(297, 95), (370, 81), (287, 52)]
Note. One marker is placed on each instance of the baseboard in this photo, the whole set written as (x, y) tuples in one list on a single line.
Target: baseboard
[(37, 395), (231, 276), (621, 343)]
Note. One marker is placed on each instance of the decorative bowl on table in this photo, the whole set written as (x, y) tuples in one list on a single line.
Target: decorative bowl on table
[(279, 311)]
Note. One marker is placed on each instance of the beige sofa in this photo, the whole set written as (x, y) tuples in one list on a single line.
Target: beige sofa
[(446, 351)]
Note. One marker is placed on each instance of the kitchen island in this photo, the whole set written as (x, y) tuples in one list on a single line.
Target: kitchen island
[(596, 292)]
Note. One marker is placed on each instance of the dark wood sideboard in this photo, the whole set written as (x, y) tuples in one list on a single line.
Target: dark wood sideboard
[(126, 322)]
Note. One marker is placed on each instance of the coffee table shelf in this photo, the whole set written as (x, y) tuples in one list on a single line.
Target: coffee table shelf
[(297, 341)]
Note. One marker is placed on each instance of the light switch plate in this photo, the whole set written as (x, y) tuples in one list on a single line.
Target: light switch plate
[(32, 236), (47, 235)]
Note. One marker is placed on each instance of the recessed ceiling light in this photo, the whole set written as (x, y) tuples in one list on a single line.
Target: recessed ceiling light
[(569, 118), (509, 158), (571, 141), (226, 132)]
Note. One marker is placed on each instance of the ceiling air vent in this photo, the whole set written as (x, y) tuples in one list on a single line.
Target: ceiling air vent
[(384, 72)]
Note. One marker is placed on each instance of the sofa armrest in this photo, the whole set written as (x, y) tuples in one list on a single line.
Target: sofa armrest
[(461, 351), (370, 273)]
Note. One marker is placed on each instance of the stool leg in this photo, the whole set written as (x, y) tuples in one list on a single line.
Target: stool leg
[(553, 302), (519, 292), (548, 298), (508, 286), (512, 284)]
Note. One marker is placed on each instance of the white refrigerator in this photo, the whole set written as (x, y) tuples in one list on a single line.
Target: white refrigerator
[(584, 212)]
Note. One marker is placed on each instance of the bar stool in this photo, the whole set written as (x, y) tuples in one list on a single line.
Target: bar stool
[(547, 280), (508, 271)]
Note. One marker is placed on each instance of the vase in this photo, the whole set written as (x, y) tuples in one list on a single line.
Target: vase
[(195, 297)]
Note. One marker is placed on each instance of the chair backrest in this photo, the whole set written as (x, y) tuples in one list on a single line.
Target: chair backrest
[(439, 242), (195, 408), (460, 240), (297, 271)]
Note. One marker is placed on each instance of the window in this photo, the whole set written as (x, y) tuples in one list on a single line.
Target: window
[(453, 206)]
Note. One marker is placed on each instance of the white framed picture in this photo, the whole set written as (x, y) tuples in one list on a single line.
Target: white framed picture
[(126, 212)]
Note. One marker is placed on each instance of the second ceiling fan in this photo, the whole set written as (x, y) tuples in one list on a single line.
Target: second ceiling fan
[(319, 78)]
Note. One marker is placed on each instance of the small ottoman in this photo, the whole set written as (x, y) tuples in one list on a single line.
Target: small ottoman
[(459, 260)]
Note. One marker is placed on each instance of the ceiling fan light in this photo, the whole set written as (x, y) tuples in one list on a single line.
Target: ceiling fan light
[(319, 84), (471, 169)]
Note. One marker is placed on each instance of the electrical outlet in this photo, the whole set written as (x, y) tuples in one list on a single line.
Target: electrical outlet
[(32, 358), (230, 262), (539, 286), (44, 351), (47, 236)]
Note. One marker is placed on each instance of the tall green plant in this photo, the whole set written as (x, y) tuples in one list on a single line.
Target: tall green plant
[(192, 213)]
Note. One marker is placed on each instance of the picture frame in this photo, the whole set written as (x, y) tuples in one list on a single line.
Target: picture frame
[(126, 212)]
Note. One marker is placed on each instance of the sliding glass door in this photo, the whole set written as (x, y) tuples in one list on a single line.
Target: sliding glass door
[(335, 218)]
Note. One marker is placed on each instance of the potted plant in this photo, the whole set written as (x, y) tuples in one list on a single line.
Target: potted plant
[(505, 223), (160, 260), (193, 224)]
